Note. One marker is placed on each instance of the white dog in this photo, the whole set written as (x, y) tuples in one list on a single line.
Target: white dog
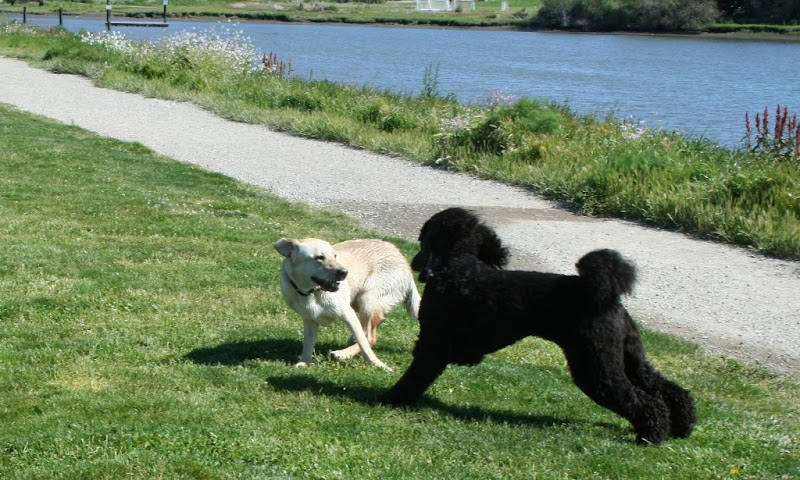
[(377, 276)]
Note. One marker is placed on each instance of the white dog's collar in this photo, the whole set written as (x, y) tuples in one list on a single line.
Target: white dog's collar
[(297, 289)]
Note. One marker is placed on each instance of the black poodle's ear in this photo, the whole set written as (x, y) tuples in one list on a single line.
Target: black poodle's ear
[(491, 250)]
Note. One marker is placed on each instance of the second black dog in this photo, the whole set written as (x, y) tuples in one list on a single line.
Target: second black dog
[(471, 307)]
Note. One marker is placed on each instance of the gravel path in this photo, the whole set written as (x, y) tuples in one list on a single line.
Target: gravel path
[(735, 303)]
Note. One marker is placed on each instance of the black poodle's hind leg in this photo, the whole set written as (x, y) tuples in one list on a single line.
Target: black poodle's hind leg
[(602, 378), (681, 406), (682, 413), (424, 369)]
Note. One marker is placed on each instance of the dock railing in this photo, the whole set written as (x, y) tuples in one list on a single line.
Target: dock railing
[(134, 23)]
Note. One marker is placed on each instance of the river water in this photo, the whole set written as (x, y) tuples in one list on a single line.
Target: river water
[(692, 85)]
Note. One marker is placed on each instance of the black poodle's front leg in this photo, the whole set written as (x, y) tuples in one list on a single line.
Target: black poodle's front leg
[(424, 369)]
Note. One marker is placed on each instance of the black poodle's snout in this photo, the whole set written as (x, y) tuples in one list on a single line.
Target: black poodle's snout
[(426, 264), (425, 274), (420, 261)]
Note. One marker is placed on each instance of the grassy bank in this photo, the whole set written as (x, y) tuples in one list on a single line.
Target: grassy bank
[(142, 335), (598, 166), (518, 14), (784, 31)]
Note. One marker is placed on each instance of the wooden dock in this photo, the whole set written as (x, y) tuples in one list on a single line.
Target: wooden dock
[(135, 23)]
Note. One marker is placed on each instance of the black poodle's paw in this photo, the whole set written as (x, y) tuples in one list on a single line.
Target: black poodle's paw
[(682, 420), (395, 399), (682, 412), (653, 434), (653, 424)]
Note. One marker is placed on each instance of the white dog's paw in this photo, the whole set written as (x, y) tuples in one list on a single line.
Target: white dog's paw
[(348, 353), (343, 354), (335, 355), (384, 366)]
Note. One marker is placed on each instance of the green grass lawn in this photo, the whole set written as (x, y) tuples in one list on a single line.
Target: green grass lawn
[(142, 335)]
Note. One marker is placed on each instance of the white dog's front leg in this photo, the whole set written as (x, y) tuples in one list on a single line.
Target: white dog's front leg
[(361, 339), (310, 329)]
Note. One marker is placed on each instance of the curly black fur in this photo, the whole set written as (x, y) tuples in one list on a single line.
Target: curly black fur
[(472, 307)]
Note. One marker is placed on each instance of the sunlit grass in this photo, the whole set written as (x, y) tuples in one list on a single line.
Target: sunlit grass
[(143, 334)]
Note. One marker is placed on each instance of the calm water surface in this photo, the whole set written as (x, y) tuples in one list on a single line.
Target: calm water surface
[(696, 86)]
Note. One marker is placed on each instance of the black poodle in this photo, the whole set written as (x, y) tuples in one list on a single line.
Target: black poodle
[(472, 307)]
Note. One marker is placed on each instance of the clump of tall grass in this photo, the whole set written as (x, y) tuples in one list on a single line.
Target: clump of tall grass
[(780, 143), (386, 116)]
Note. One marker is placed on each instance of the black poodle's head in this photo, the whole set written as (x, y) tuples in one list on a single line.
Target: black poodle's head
[(456, 231)]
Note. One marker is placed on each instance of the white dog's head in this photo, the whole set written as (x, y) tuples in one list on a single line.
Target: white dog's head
[(311, 262)]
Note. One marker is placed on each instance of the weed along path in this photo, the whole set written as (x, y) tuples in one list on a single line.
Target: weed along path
[(730, 300)]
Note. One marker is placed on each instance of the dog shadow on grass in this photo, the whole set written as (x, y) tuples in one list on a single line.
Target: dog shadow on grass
[(237, 353), (272, 349), (367, 395)]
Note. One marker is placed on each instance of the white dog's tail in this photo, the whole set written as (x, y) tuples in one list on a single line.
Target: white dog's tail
[(412, 299)]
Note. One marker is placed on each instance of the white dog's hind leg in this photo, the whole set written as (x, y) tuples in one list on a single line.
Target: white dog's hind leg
[(370, 320), (346, 353), (310, 329), (351, 319)]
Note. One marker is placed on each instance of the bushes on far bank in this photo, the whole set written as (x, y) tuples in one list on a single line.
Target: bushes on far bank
[(780, 12), (753, 28), (666, 15), (620, 15)]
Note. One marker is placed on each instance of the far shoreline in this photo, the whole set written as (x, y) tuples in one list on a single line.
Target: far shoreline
[(726, 36)]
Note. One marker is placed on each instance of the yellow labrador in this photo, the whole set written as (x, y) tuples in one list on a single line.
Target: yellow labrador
[(358, 281)]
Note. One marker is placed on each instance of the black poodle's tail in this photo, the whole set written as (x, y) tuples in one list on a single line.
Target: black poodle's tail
[(609, 274)]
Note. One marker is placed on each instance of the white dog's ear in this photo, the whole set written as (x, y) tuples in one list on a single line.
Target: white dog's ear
[(284, 246)]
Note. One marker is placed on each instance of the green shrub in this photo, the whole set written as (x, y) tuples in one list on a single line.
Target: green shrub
[(533, 116), (386, 117), (502, 129), (646, 15), (301, 101), (761, 11)]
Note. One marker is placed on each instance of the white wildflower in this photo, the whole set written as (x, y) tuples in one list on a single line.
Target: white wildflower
[(631, 129)]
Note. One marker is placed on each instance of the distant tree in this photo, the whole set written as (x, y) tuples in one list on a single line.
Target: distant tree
[(644, 15), (676, 15), (736, 10), (605, 14), (761, 11), (556, 13)]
